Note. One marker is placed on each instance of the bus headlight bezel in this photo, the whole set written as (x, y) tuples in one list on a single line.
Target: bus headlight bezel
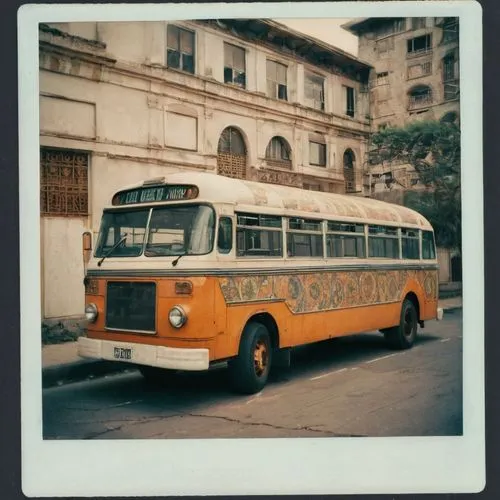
[(177, 317), (91, 312)]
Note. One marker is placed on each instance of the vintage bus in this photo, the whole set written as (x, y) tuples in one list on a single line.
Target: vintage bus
[(195, 269)]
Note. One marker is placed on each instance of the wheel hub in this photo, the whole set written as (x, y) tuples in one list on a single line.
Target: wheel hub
[(260, 358)]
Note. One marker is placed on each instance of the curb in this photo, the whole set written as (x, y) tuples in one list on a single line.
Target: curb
[(451, 309), (77, 371)]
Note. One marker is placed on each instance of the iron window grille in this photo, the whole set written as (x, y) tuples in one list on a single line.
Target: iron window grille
[(418, 97), (419, 70), (63, 182)]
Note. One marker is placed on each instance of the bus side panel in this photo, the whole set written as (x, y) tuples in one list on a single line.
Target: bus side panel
[(237, 318), (299, 329)]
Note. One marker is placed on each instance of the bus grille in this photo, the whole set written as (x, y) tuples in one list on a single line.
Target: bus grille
[(131, 306)]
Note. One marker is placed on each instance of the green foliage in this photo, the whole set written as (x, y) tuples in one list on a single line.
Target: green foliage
[(432, 148)]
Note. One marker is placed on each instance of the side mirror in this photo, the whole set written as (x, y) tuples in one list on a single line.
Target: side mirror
[(86, 246)]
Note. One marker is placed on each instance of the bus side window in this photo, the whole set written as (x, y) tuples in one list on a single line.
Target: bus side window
[(225, 237), (428, 247)]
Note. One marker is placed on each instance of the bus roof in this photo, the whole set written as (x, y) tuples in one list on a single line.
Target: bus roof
[(250, 195)]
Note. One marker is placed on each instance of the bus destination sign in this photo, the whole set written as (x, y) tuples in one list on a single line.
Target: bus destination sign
[(155, 194)]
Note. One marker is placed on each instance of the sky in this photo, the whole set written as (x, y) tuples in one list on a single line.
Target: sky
[(326, 30)]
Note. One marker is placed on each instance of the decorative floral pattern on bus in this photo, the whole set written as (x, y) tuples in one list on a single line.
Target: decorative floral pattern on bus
[(309, 292)]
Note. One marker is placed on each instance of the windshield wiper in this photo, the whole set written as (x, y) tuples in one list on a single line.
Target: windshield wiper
[(116, 245), (174, 262)]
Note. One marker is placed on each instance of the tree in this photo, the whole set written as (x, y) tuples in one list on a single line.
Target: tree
[(432, 148)]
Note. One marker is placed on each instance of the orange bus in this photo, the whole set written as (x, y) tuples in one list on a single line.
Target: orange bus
[(196, 269)]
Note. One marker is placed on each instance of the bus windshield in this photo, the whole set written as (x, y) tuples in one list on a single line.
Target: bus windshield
[(172, 230)]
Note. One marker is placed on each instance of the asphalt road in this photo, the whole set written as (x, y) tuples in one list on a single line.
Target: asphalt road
[(353, 386)]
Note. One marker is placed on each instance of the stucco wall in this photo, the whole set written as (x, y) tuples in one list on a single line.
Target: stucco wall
[(62, 266), (137, 120)]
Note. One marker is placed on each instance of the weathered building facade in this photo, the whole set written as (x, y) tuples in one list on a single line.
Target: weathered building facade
[(124, 101), (415, 76)]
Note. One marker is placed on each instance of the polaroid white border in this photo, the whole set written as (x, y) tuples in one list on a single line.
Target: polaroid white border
[(230, 466)]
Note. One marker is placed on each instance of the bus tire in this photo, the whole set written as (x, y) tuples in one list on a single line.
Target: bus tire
[(156, 376), (250, 369), (403, 335)]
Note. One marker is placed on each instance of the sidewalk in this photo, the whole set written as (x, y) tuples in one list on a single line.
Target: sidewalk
[(61, 363)]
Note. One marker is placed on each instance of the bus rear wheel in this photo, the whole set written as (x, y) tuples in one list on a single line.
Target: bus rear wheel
[(403, 335), (250, 369)]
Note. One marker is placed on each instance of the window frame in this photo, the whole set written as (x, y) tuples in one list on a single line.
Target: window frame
[(433, 252), (350, 100), (225, 251), (180, 30), (259, 228), (380, 235), (416, 52), (307, 232), (404, 239), (284, 147), (382, 78), (343, 234), (309, 78), (324, 148), (277, 84), (234, 70)]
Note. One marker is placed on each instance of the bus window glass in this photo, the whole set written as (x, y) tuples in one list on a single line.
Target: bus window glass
[(225, 236), (304, 238), (428, 248), (409, 241), (180, 230), (131, 226), (258, 235), (383, 242), (345, 240)]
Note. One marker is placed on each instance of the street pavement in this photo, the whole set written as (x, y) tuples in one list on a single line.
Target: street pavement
[(353, 386)]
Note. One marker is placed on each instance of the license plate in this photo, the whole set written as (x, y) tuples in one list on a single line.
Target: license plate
[(122, 353)]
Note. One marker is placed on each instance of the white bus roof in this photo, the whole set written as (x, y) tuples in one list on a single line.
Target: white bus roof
[(250, 196)]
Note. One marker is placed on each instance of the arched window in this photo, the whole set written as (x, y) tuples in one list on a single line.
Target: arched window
[(419, 96), (349, 161), (278, 149), (231, 141), (232, 154)]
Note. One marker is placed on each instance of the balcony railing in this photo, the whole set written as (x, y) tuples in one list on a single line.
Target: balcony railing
[(419, 101)]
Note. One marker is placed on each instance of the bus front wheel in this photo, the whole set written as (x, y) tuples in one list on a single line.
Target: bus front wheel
[(403, 335), (250, 369)]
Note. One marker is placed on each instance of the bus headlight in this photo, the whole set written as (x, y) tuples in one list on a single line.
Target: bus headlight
[(177, 316), (91, 312)]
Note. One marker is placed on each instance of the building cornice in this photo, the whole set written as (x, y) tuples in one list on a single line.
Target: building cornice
[(206, 87)]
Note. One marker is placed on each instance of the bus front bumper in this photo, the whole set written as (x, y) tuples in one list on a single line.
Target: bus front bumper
[(150, 355)]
